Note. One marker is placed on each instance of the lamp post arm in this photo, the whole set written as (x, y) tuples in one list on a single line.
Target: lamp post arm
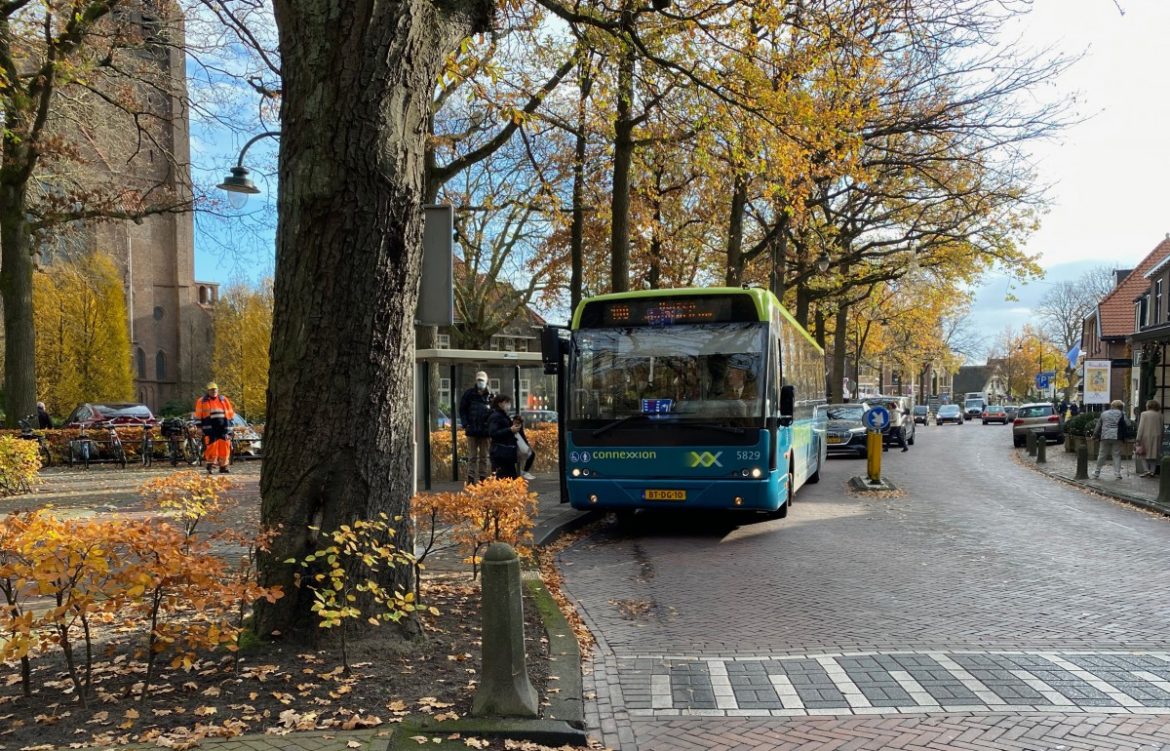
[(252, 140)]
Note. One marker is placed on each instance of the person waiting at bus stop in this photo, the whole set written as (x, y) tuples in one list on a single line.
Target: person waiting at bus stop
[(475, 408), (504, 429), (214, 413)]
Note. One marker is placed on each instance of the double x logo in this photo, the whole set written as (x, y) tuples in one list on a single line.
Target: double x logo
[(705, 459)]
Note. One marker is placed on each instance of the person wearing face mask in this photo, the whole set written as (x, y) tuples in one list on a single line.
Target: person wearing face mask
[(474, 410), (504, 430)]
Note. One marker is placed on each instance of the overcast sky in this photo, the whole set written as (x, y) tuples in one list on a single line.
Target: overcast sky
[(1110, 203)]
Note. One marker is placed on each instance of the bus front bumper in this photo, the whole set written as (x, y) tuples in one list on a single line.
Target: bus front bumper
[(732, 494)]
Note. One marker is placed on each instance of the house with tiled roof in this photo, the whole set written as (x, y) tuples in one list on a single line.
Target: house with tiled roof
[(1108, 330), (1150, 338)]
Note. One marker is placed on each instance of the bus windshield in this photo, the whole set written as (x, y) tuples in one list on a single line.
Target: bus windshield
[(713, 373)]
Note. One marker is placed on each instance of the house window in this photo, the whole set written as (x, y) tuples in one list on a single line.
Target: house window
[(525, 390), (160, 365), (140, 363), (1142, 313), (444, 341), (494, 385), (495, 345), (509, 344), (521, 345), (445, 392), (1158, 301)]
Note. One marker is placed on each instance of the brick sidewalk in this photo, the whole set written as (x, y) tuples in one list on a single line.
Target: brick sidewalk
[(1062, 464)]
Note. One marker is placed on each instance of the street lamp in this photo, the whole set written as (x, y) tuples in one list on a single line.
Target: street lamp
[(823, 262), (238, 185)]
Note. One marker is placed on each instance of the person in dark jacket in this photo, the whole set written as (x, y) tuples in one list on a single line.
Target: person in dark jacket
[(474, 410), (503, 429), (43, 420)]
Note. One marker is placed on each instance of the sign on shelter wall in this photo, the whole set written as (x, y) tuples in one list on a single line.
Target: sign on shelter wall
[(1096, 381)]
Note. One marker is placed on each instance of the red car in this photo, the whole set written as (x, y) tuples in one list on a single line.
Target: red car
[(995, 413), (91, 414)]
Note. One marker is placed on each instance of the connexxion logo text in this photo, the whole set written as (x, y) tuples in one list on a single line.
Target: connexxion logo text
[(625, 454)]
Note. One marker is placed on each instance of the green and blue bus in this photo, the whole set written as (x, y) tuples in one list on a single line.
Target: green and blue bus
[(688, 399)]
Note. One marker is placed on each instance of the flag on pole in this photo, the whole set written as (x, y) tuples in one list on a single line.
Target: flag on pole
[(1073, 354)]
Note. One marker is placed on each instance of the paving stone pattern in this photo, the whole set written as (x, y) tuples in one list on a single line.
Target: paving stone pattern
[(989, 598)]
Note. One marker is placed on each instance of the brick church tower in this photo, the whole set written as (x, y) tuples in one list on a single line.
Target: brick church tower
[(170, 313)]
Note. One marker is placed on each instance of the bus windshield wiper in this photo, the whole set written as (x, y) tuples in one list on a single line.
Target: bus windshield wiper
[(712, 426), (616, 423)]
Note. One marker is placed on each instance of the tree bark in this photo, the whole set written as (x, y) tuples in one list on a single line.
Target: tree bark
[(735, 231), (623, 159), (577, 230), (16, 284), (357, 83)]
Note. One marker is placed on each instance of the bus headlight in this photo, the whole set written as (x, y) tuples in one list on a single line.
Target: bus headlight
[(593, 499), (576, 472), (757, 472)]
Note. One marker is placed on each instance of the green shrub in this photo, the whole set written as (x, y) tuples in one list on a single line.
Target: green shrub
[(1081, 425)]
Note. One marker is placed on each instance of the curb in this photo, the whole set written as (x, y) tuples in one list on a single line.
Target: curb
[(562, 524), (568, 703), (544, 732)]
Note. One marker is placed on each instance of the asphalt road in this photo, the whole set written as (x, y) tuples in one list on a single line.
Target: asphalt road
[(985, 606)]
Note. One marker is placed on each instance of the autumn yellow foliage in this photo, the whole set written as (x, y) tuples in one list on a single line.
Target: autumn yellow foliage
[(83, 339), (19, 462), (243, 331), (542, 440), (490, 511)]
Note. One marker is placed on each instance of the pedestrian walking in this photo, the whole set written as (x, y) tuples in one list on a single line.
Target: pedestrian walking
[(43, 420), (1149, 439), (215, 414), (1112, 428), (504, 430), (475, 407), (897, 424)]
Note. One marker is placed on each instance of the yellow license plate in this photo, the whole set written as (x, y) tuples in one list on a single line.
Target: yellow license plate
[(834, 439), (664, 495)]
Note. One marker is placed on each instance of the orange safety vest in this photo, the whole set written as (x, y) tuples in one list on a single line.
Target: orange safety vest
[(208, 408)]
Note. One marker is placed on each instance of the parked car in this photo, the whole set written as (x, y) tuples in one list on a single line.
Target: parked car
[(995, 413), (844, 431), (440, 421), (1038, 416), (245, 440), (948, 413), (92, 414), (921, 414), (538, 417), (1010, 411)]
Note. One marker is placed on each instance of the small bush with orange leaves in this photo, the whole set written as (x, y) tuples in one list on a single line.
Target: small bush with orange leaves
[(63, 581), (490, 511), (542, 440), (19, 462)]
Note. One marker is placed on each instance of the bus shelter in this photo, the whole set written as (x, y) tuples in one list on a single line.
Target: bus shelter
[(441, 377)]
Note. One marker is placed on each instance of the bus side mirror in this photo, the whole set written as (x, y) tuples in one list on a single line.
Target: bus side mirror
[(787, 404), (553, 346)]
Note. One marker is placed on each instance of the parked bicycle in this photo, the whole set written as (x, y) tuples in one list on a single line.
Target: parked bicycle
[(182, 445), (147, 447), (82, 449), (27, 433), (117, 450)]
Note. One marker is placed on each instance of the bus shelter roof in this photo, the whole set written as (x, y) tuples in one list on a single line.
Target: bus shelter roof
[(477, 356)]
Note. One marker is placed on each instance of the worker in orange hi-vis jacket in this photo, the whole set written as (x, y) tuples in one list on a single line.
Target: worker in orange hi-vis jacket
[(214, 413)]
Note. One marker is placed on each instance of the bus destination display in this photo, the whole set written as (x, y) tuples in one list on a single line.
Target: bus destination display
[(668, 312)]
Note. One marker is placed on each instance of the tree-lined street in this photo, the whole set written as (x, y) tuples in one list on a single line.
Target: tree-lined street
[(988, 604)]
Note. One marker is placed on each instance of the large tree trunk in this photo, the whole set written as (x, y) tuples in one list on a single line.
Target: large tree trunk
[(734, 276), (577, 231), (623, 160), (357, 83), (16, 284)]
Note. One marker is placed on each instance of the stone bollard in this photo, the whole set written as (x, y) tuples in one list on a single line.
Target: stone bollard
[(1030, 442), (1041, 450), (1082, 462), (504, 689), (1164, 482)]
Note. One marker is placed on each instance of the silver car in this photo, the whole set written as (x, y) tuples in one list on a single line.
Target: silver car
[(1041, 417)]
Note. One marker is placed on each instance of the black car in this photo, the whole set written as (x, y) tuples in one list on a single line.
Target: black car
[(844, 431), (948, 413), (921, 414)]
